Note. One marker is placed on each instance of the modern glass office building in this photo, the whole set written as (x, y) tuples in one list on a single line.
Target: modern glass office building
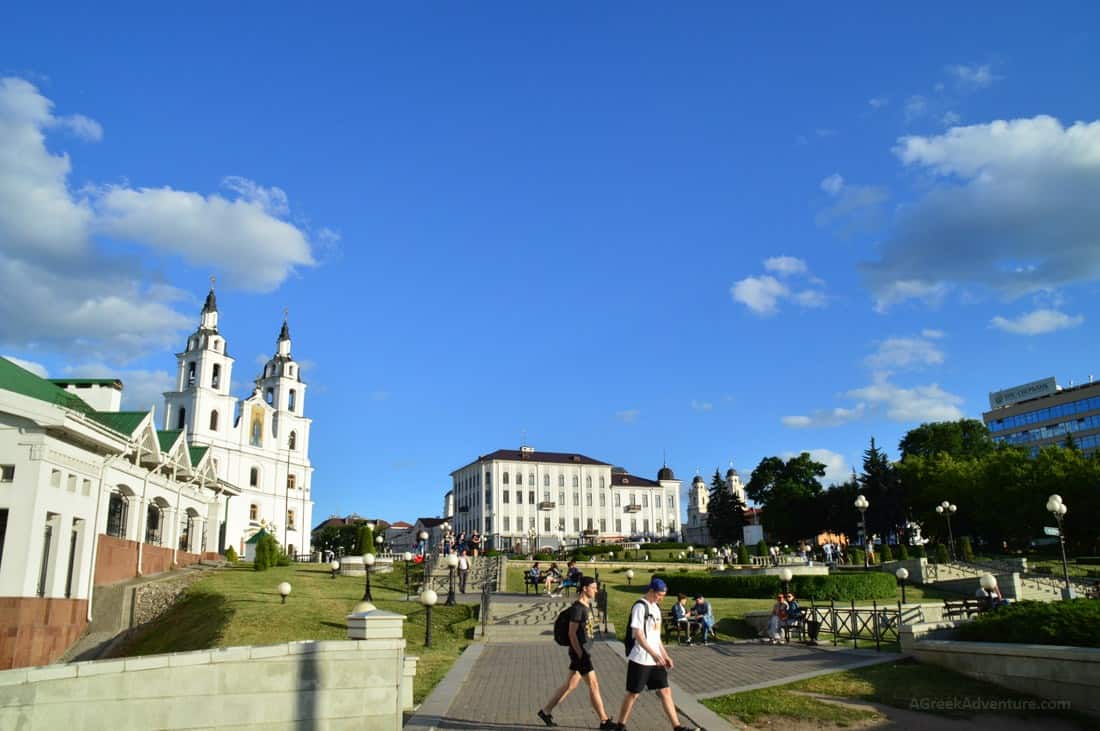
[(1042, 413)]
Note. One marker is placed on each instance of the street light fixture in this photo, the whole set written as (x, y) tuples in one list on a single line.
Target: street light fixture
[(423, 536), (1058, 509), (452, 563), (861, 505), (368, 561), (284, 590), (335, 566), (428, 598), (902, 574), (531, 540), (946, 509), (408, 557), (379, 540), (785, 576), (561, 543), (629, 576)]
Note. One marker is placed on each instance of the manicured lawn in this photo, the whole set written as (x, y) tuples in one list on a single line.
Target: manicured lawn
[(902, 684), (238, 606)]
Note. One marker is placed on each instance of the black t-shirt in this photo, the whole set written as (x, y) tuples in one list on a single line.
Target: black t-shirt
[(583, 616)]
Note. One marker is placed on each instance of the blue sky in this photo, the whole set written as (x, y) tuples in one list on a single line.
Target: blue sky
[(712, 232)]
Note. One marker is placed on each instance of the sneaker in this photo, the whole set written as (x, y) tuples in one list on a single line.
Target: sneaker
[(688, 728), (547, 718), (609, 724)]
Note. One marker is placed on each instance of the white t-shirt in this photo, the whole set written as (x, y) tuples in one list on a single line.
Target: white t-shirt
[(651, 629), (463, 564)]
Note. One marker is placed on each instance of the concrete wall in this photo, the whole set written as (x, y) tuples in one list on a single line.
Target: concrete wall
[(348, 684), (37, 631), (1057, 673)]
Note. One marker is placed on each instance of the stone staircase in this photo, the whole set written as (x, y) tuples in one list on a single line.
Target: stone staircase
[(522, 619), (483, 570), (1033, 586)]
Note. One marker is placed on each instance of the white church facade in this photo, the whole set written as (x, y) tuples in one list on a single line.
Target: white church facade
[(695, 529), (259, 444)]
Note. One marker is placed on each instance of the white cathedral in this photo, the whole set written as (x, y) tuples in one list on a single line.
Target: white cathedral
[(696, 530), (259, 444)]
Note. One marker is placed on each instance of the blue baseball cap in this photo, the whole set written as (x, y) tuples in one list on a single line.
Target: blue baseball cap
[(656, 584)]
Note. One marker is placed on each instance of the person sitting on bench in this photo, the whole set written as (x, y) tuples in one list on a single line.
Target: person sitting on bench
[(572, 575), (703, 617), (684, 625), (551, 577)]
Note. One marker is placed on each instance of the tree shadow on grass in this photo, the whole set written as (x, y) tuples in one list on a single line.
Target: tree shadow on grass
[(195, 622)]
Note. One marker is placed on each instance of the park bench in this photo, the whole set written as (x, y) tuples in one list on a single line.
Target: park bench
[(669, 625), (530, 582), (961, 608)]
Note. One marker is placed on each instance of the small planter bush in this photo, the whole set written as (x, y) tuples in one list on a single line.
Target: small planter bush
[(761, 549), (942, 555), (1070, 623), (919, 552), (267, 553), (903, 552), (743, 555), (231, 555), (665, 544), (965, 549), (838, 587), (887, 553)]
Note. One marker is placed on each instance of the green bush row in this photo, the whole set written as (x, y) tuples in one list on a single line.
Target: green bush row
[(664, 544), (1089, 560), (1070, 623), (836, 587)]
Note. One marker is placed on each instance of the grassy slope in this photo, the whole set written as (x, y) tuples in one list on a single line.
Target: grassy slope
[(239, 606)]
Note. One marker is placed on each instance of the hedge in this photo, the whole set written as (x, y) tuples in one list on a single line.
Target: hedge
[(1088, 560), (1070, 623), (838, 587), (665, 544)]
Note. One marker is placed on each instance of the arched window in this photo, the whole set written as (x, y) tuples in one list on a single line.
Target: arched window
[(181, 420), (216, 379), (504, 478), (116, 516), (191, 373), (253, 512), (519, 478), (293, 440), (602, 483), (269, 396), (531, 478), (588, 482), (254, 477), (291, 399), (576, 481), (561, 480), (213, 421), (546, 480)]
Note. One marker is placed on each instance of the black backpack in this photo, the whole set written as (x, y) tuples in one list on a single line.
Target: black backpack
[(561, 627), (628, 643)]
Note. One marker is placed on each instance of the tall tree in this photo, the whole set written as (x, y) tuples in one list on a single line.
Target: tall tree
[(883, 490), (962, 438), (789, 493), (725, 513)]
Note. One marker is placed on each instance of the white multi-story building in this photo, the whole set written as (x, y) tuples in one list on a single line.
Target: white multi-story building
[(524, 498), (260, 444), (695, 529)]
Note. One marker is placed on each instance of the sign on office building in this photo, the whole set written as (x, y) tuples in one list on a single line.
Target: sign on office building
[(1035, 389)]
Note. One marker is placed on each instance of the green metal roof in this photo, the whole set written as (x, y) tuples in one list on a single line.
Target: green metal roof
[(196, 454), (124, 422), (86, 381), (20, 380), (167, 438), (259, 534)]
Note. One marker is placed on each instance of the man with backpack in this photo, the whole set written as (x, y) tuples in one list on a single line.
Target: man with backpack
[(573, 628), (649, 662)]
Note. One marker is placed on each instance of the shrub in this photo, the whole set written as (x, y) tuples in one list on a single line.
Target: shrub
[(1070, 623), (965, 549), (664, 544), (761, 549), (919, 552), (282, 558), (545, 557), (267, 553), (855, 556), (903, 552), (887, 554), (1088, 560), (942, 555), (838, 587), (231, 555), (743, 555)]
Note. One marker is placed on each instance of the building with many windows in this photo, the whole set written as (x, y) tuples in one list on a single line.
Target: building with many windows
[(524, 498), (1042, 413)]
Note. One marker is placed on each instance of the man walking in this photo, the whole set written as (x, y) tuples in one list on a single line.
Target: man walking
[(580, 661), (649, 663), (463, 571)]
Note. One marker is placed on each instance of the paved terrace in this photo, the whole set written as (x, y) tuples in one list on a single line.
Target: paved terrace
[(502, 683)]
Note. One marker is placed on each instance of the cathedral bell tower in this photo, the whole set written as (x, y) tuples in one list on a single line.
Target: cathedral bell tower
[(201, 402), (282, 388)]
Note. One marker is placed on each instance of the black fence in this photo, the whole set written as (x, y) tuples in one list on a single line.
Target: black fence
[(880, 624)]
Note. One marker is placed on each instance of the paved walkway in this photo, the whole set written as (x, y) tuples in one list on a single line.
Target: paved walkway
[(502, 683)]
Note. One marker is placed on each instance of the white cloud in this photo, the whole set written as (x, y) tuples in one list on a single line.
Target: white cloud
[(905, 353), (36, 368), (878, 102), (1012, 208), (64, 290), (825, 418), (931, 334), (915, 107), (858, 205), (950, 119), (785, 265), (141, 389), (759, 294), (976, 77), (701, 405), (1038, 322), (837, 469), (628, 416), (833, 184), (909, 405)]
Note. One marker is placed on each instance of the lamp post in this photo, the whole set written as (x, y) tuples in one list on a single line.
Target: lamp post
[(861, 505), (452, 563), (335, 566), (629, 576), (1058, 509), (408, 557), (378, 541), (946, 509), (428, 598), (531, 541), (785, 576), (284, 590), (368, 561), (561, 544), (423, 536), (902, 574)]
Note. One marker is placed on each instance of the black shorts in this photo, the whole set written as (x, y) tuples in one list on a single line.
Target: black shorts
[(639, 677), (582, 664)]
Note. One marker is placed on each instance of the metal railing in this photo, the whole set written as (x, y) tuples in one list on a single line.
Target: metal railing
[(881, 624)]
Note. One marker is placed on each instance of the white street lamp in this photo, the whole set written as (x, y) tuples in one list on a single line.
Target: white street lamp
[(861, 505), (335, 566), (284, 590), (428, 598), (785, 576), (902, 574), (629, 576), (1058, 509), (452, 564), (947, 509)]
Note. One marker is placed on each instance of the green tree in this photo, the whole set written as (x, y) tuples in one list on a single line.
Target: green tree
[(966, 551), (725, 513), (267, 553), (963, 438), (886, 553), (743, 554), (882, 488), (789, 493), (762, 548), (903, 552)]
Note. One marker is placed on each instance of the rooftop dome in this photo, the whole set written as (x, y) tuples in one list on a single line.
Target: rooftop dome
[(665, 473), (698, 480)]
